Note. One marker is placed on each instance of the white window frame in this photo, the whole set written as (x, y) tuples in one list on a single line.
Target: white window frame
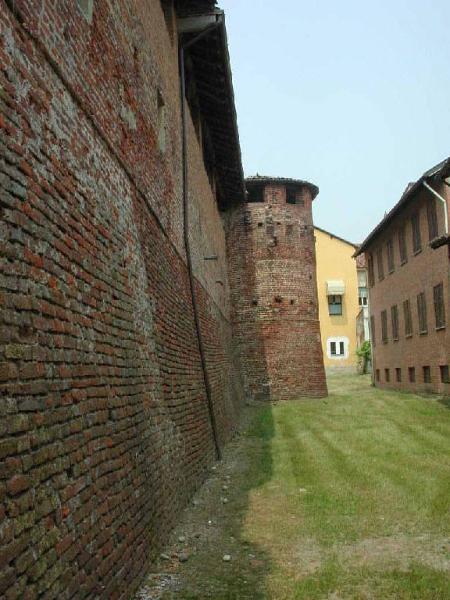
[(338, 341)]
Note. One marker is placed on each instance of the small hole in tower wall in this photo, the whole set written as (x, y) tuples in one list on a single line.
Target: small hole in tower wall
[(292, 302), (278, 299)]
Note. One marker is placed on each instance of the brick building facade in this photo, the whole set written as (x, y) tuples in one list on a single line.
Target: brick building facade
[(111, 410), (407, 256), (272, 269)]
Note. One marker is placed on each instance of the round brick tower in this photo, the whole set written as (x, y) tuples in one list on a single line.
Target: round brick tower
[(274, 290)]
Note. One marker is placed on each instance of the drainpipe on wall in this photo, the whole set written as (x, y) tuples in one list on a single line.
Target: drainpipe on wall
[(443, 200), (372, 352), (216, 22)]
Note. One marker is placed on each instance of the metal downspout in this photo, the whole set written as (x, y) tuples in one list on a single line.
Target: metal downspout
[(443, 200), (182, 48)]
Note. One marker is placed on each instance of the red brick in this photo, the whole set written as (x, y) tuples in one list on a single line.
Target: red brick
[(17, 484)]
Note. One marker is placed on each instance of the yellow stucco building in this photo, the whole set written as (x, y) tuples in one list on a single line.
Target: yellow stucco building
[(342, 292)]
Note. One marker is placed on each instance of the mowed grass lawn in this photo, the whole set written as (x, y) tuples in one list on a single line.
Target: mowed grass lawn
[(355, 495), (342, 498)]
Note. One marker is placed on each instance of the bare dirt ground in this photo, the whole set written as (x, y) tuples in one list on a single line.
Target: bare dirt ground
[(207, 538)]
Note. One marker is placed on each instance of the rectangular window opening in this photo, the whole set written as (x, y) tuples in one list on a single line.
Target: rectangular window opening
[(387, 375), (422, 313), (363, 296), (291, 195), (426, 374), (444, 373), (371, 270), (398, 375), (335, 305), (394, 319), (416, 237), (432, 219), (380, 264), (377, 374), (384, 330), (390, 255), (402, 245), (255, 193), (407, 317), (412, 374), (439, 308)]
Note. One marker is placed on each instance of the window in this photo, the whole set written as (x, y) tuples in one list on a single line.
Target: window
[(362, 296), (362, 278), (372, 329), (292, 197), (390, 255), (387, 375), (337, 347), (422, 313), (394, 319), (439, 309), (380, 264), (432, 219), (398, 375), (407, 317), (371, 271), (444, 374), (417, 241), (335, 305), (402, 245), (426, 374), (255, 193), (384, 332), (161, 123), (377, 374), (411, 374)]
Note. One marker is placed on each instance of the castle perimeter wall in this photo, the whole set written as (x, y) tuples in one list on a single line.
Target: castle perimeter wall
[(105, 431)]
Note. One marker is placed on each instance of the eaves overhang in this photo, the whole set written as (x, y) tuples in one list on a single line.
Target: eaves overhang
[(255, 180), (438, 172), (210, 61)]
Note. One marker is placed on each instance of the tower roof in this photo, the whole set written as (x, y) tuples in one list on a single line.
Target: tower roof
[(258, 179)]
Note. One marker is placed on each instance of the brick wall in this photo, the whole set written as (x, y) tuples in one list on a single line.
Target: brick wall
[(274, 293), (420, 273), (105, 431)]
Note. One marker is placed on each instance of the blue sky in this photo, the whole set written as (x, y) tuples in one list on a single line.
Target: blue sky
[(353, 96)]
